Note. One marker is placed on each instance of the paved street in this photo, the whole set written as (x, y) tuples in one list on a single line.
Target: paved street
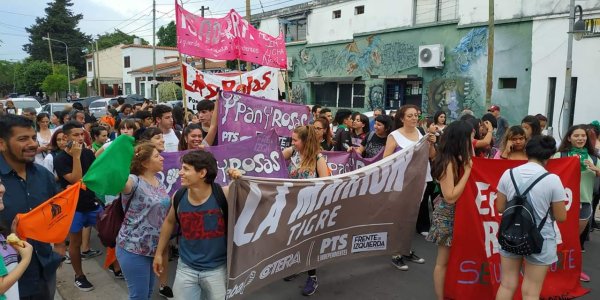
[(368, 278)]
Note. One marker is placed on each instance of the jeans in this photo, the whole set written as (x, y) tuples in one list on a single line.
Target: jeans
[(191, 284), (138, 273)]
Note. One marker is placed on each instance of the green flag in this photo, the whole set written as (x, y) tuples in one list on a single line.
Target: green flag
[(109, 172)]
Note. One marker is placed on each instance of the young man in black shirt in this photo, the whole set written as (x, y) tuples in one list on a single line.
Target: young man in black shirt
[(71, 165)]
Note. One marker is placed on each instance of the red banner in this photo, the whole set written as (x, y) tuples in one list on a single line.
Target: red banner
[(228, 38), (474, 265)]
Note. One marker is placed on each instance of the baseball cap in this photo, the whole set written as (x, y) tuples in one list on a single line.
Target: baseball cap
[(494, 108)]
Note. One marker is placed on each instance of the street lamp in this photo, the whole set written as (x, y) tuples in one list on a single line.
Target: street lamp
[(67, 53), (576, 31)]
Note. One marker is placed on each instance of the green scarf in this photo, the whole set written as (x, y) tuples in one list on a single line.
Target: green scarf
[(109, 172), (583, 156)]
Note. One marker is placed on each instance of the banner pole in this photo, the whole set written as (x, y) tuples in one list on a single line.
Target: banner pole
[(287, 86), (240, 70), (182, 81)]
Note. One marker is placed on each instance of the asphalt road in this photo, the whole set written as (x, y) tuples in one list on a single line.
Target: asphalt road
[(368, 278)]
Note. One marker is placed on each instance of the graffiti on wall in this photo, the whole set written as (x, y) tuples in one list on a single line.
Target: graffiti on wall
[(376, 57), (376, 96), (297, 94), (455, 89)]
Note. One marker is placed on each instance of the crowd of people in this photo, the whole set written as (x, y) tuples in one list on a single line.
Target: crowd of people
[(42, 154)]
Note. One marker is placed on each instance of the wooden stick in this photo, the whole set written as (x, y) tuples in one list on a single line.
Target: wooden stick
[(185, 106)]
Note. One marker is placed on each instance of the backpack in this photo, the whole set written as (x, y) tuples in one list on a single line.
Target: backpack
[(110, 220), (217, 190), (593, 157), (518, 232)]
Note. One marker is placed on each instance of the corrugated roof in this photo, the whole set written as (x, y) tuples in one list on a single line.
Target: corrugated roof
[(149, 47), (209, 65)]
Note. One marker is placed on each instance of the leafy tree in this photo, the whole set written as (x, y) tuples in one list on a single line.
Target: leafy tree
[(168, 91), (167, 35), (108, 40), (7, 77), (30, 75), (55, 83), (61, 24), (82, 88)]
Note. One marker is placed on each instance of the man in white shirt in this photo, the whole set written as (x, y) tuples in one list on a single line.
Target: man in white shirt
[(163, 118)]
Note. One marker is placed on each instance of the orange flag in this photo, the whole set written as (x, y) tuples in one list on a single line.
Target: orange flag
[(50, 222)]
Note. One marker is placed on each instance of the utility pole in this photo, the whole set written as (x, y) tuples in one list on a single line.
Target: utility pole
[(202, 9), (490, 63), (248, 18), (568, 107), (50, 47), (98, 68), (152, 85)]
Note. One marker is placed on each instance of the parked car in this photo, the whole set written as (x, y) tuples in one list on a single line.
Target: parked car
[(87, 101), (21, 103), (98, 107), (50, 108)]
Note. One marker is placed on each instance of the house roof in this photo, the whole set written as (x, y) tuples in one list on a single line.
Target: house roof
[(149, 47), (164, 66)]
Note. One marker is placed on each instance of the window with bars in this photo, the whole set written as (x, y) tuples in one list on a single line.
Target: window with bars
[(295, 30), (333, 94), (431, 11)]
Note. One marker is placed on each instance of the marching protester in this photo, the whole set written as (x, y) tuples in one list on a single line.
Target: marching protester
[(163, 118), (10, 107), (55, 119), (326, 113), (206, 109), (306, 162), (577, 143), (406, 135), (343, 136), (146, 203), (502, 123), (99, 137), (58, 142), (28, 185), (126, 126), (376, 139), (595, 127), (547, 197), (315, 111), (532, 126), (543, 123), (108, 122), (191, 138), (439, 120), (201, 269), (43, 137), (71, 165), (360, 129), (481, 144), (11, 269), (451, 167), (512, 145), (324, 134), (154, 136)]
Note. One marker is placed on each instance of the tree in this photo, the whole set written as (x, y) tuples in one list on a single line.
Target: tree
[(55, 83), (168, 91), (82, 88), (30, 74), (117, 37), (167, 35), (61, 24), (7, 77)]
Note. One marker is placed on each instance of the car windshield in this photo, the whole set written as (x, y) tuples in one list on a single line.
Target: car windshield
[(98, 104), (26, 103)]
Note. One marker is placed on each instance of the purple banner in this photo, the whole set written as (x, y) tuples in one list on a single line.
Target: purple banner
[(242, 117), (344, 162), (259, 156)]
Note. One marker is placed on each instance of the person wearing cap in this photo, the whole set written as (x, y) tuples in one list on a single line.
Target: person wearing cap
[(502, 122)]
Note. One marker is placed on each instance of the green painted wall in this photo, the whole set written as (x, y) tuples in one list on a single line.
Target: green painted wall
[(460, 84)]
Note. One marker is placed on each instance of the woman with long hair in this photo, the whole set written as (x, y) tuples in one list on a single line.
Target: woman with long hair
[(191, 138), (10, 107), (546, 197), (439, 121), (44, 134), (324, 134), (577, 143), (512, 145), (532, 126), (55, 119), (148, 203), (376, 139), (126, 127), (306, 161), (99, 137), (406, 135), (153, 135), (451, 167), (481, 143), (360, 129), (58, 142)]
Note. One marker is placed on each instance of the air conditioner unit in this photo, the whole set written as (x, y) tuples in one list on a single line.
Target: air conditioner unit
[(431, 56), (290, 61)]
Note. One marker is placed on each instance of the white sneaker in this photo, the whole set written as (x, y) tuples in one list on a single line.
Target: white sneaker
[(425, 233)]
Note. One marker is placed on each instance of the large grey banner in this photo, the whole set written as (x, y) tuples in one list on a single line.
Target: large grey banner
[(279, 227)]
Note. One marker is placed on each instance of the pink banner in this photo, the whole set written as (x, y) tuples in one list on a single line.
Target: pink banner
[(228, 38)]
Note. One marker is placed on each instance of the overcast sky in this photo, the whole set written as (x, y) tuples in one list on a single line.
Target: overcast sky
[(100, 16)]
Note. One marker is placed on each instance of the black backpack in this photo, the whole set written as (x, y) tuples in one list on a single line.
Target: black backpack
[(518, 232), (219, 196)]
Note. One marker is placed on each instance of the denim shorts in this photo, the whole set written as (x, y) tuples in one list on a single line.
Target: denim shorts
[(546, 257), (585, 211), (84, 219)]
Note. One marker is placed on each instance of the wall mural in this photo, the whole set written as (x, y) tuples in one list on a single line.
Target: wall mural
[(455, 89), (298, 95), (376, 96), (376, 57)]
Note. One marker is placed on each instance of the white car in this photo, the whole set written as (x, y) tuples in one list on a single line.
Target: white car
[(21, 103), (98, 107), (50, 108)]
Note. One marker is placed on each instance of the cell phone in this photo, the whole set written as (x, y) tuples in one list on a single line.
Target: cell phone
[(69, 144)]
